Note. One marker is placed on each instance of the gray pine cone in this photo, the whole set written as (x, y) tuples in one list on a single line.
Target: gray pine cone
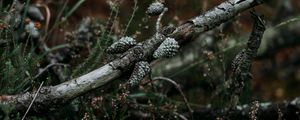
[(168, 48), (122, 45), (141, 69), (155, 8)]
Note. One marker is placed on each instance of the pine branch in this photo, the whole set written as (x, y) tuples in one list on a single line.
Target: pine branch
[(54, 96)]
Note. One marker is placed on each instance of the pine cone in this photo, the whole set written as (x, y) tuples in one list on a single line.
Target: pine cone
[(141, 69), (121, 46), (167, 48), (155, 8)]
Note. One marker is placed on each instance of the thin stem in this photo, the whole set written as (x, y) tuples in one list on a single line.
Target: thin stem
[(48, 15), (159, 20), (37, 92), (76, 6), (178, 88), (132, 15), (57, 22), (46, 68)]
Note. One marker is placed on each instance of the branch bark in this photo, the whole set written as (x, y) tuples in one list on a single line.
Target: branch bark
[(241, 65), (53, 96)]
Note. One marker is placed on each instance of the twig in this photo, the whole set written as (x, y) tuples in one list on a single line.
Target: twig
[(295, 19), (178, 88), (46, 68), (159, 20), (112, 26), (57, 22), (181, 116), (75, 7), (110, 23), (53, 58), (60, 13), (48, 15), (151, 81), (37, 92), (132, 15)]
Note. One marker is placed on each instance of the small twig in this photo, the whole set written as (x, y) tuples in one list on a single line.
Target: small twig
[(33, 100), (132, 15), (48, 15), (159, 19), (113, 24), (46, 68), (74, 8), (178, 88), (26, 43), (295, 19), (181, 116), (58, 17), (107, 24), (57, 22), (110, 23), (151, 81)]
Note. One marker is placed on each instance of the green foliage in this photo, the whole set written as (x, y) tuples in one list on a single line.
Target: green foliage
[(19, 66)]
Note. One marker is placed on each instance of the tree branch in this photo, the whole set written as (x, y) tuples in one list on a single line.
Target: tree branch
[(53, 96), (241, 65)]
